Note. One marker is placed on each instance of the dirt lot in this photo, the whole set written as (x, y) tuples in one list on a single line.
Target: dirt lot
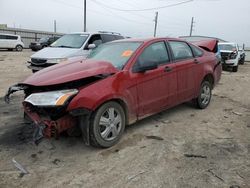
[(181, 147)]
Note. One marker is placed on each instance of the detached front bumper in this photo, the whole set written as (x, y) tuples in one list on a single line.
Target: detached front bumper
[(45, 127), (230, 62)]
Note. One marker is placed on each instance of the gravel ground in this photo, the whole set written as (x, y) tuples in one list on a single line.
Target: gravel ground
[(180, 147)]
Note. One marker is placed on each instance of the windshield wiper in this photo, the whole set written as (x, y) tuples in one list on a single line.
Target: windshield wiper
[(62, 46)]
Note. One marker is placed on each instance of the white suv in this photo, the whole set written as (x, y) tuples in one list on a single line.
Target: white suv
[(69, 47), (10, 42), (230, 55)]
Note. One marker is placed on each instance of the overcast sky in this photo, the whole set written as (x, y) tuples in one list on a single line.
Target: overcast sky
[(226, 19)]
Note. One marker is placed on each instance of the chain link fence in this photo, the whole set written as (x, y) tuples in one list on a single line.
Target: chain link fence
[(27, 35)]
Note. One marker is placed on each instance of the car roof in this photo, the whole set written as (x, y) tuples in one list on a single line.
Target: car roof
[(9, 34), (147, 39), (93, 33)]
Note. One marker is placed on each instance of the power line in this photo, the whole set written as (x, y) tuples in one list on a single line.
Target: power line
[(146, 9), (117, 15)]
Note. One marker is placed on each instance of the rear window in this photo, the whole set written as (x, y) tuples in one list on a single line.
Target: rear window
[(197, 52)]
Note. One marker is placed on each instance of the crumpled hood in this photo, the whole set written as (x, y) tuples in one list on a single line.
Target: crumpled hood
[(70, 71), (52, 53)]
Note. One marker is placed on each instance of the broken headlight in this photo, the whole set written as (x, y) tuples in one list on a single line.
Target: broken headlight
[(51, 98)]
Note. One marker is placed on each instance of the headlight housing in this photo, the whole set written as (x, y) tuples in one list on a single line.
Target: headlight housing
[(54, 61), (51, 98)]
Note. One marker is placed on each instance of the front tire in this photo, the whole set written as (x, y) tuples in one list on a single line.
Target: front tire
[(107, 125), (235, 68), (204, 98)]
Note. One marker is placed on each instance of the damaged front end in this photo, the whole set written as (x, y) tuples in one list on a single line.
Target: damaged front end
[(47, 109), (47, 106), (49, 92)]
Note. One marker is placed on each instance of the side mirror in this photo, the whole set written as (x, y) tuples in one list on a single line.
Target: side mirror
[(91, 46), (146, 67)]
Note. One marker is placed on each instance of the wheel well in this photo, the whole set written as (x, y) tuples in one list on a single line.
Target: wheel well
[(210, 79), (123, 105)]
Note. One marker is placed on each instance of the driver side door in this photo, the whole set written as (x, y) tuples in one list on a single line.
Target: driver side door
[(151, 90)]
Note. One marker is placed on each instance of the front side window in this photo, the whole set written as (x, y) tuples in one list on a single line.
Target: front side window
[(44, 39), (155, 53), (94, 39), (70, 41), (180, 50), (117, 53)]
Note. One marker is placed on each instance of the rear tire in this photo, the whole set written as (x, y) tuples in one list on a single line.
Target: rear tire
[(235, 68), (107, 125), (19, 48), (205, 95)]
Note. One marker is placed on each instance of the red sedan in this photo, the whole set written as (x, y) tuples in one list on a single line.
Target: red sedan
[(118, 84)]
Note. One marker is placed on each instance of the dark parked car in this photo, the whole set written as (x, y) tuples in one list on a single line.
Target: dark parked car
[(42, 43), (118, 84)]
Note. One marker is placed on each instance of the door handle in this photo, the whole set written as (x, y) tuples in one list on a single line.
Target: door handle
[(196, 61), (168, 69)]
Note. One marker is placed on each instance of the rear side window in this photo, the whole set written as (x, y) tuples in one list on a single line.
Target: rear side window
[(2, 36), (118, 37), (180, 50), (108, 38), (156, 52), (197, 52), (8, 37)]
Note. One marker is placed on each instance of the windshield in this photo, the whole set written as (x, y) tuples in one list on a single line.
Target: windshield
[(117, 53), (229, 47), (45, 39), (70, 41)]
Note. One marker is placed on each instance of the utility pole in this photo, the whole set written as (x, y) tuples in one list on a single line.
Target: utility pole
[(84, 13), (192, 26), (54, 26), (156, 21)]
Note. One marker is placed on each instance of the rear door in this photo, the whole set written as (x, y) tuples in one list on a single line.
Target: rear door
[(185, 65), (11, 41)]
